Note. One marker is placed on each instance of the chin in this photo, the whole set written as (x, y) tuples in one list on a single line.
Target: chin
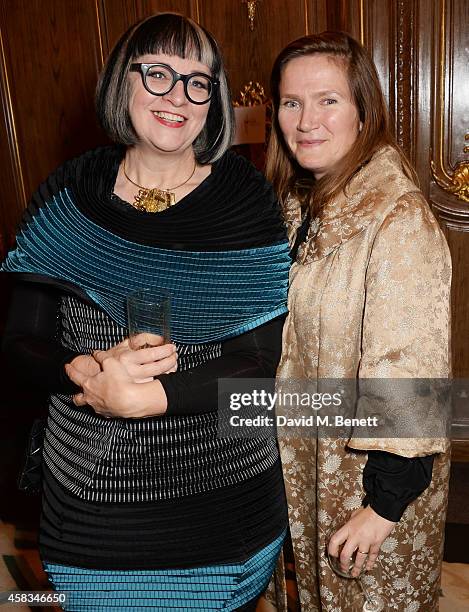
[(168, 147), (310, 166)]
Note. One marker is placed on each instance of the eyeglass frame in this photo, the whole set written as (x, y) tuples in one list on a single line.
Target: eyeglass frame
[(143, 69)]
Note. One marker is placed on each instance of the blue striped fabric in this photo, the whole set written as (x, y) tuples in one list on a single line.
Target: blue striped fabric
[(222, 587), (215, 294)]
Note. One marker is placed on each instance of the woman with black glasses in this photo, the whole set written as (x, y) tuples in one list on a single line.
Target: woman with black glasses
[(144, 505)]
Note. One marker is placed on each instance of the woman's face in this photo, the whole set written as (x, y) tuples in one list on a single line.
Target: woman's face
[(169, 123), (317, 114)]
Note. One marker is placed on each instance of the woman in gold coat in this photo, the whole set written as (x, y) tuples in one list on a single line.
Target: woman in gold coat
[(369, 299)]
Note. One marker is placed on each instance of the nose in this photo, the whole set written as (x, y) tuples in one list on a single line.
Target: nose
[(309, 119), (176, 94)]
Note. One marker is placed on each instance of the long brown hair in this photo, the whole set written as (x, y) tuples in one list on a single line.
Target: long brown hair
[(281, 168)]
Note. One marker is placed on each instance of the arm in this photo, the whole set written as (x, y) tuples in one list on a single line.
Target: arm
[(30, 341), (33, 349), (406, 322), (405, 335), (254, 354), (112, 392), (392, 482)]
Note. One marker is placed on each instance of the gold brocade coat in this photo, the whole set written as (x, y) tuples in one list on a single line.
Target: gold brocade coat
[(369, 298)]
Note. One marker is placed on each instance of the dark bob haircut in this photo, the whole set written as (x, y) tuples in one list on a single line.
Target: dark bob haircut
[(171, 34)]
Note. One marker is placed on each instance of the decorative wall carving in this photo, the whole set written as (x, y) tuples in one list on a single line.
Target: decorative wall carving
[(251, 7), (251, 95), (405, 63), (456, 183), (452, 178)]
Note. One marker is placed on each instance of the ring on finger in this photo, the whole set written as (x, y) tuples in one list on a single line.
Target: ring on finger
[(362, 552)]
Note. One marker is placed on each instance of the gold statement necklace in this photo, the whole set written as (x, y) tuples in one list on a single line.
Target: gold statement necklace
[(153, 199)]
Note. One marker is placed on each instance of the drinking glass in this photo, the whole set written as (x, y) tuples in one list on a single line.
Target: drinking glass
[(149, 314), (374, 602)]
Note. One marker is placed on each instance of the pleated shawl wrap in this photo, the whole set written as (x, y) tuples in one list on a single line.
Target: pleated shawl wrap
[(221, 252)]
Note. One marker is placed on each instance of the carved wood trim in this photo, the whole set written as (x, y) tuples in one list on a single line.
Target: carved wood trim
[(452, 212), (103, 38), (405, 35), (450, 187), (195, 10), (361, 9), (10, 124)]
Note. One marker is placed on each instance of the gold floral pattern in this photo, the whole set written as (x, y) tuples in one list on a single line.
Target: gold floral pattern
[(369, 298)]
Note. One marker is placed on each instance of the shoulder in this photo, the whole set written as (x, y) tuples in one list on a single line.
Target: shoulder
[(93, 165), (392, 198), (411, 214), (238, 170), (410, 231), (243, 195), (95, 160), (412, 204)]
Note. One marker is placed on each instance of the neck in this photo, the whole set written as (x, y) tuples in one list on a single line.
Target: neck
[(150, 169)]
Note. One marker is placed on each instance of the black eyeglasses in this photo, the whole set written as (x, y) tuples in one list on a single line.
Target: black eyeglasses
[(159, 79)]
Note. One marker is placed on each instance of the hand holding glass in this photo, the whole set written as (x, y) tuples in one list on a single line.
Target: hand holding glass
[(149, 314), (374, 602)]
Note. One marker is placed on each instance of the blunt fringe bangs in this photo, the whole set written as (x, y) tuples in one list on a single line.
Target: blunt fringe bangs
[(172, 34), (282, 170)]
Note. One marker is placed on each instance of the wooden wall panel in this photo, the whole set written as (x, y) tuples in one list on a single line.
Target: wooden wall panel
[(449, 187), (459, 246), (458, 90), (52, 61), (316, 16), (151, 7), (250, 54), (346, 15), (145, 8), (115, 17), (378, 40)]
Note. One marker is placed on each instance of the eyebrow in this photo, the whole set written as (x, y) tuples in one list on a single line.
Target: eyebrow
[(323, 92)]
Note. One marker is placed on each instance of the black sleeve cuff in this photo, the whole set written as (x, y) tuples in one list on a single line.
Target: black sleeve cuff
[(63, 382), (392, 482), (173, 387), (254, 354)]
